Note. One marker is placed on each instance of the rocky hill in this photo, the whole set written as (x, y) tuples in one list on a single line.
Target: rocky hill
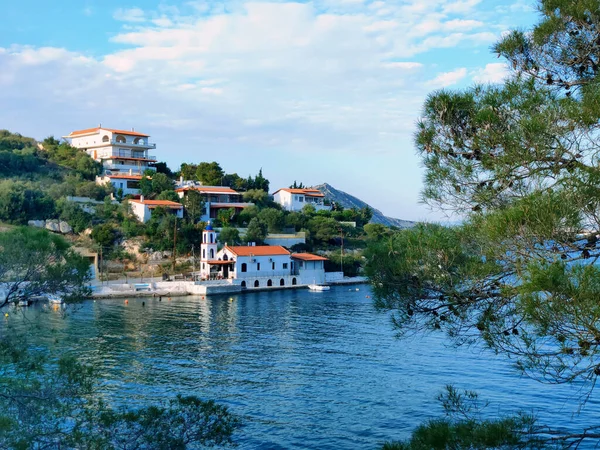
[(349, 201)]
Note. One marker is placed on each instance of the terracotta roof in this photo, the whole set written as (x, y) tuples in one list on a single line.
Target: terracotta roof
[(125, 176), (230, 205), (208, 189), (308, 257), (156, 203), (259, 250), (95, 130), (307, 192)]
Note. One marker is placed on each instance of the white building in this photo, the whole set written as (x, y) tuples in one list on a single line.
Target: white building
[(142, 208), (258, 266), (124, 155), (295, 199), (216, 198)]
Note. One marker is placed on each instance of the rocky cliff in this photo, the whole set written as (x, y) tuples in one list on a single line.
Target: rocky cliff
[(349, 201)]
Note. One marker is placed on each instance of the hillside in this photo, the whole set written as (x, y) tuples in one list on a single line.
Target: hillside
[(349, 201)]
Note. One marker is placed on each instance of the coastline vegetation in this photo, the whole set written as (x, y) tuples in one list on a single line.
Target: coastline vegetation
[(518, 161)]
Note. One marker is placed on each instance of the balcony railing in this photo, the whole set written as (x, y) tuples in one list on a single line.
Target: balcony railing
[(128, 154), (131, 144)]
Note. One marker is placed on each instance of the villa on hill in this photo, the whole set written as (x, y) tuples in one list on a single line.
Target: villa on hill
[(295, 199), (123, 154), (216, 198)]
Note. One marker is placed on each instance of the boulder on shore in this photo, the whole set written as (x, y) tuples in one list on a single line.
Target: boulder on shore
[(53, 225), (65, 228)]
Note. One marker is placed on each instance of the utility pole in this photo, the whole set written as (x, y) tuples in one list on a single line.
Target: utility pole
[(342, 251), (174, 245), (101, 263)]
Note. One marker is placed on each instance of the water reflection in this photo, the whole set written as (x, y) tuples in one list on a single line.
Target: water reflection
[(304, 370)]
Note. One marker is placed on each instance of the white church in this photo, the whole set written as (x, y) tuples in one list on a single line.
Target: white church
[(258, 266)]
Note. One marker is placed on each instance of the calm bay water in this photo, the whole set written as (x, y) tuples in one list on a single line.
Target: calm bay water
[(302, 369)]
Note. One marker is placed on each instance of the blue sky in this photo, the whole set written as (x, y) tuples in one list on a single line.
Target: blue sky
[(313, 91)]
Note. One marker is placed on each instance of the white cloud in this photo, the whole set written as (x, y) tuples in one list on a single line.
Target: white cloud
[(491, 73), (344, 78), (129, 15), (446, 79)]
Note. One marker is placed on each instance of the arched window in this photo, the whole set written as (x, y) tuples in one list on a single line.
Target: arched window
[(293, 282), (203, 253), (244, 267), (269, 283), (244, 284), (256, 283), (204, 238), (282, 282), (225, 257), (212, 236), (138, 140), (121, 139), (212, 253), (105, 138)]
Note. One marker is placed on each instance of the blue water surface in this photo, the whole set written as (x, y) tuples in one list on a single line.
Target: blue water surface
[(303, 370)]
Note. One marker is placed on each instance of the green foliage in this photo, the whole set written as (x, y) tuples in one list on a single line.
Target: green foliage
[(465, 428), (56, 403), (257, 231), (170, 195), (274, 218), (65, 155), (518, 162), (225, 216), (94, 191), (350, 263), (105, 235), (194, 206), (20, 202), (210, 174), (230, 236), (161, 167), (256, 196), (34, 262), (72, 213)]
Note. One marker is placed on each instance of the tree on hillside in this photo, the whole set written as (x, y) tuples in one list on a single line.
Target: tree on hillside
[(256, 196), (161, 167), (519, 162), (20, 202), (210, 174), (194, 206), (188, 171), (34, 262), (230, 236), (257, 231), (274, 218)]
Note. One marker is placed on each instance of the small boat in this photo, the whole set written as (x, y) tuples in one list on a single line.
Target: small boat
[(318, 287), (55, 299)]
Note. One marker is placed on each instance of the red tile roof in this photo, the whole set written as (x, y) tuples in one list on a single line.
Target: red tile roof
[(95, 130), (307, 192), (156, 203), (308, 257), (125, 176), (208, 189), (259, 250)]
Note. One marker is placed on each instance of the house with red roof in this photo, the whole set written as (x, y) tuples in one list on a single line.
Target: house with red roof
[(143, 208), (292, 199), (215, 198), (258, 266), (123, 154)]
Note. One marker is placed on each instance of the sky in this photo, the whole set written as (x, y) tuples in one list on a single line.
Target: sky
[(309, 91)]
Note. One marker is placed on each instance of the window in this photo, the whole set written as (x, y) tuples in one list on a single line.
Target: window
[(105, 139), (133, 184), (203, 253), (269, 283), (273, 266), (121, 139), (257, 266), (244, 267), (300, 199), (244, 284), (203, 266), (285, 265), (212, 253), (212, 236), (293, 282), (256, 283), (282, 282)]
